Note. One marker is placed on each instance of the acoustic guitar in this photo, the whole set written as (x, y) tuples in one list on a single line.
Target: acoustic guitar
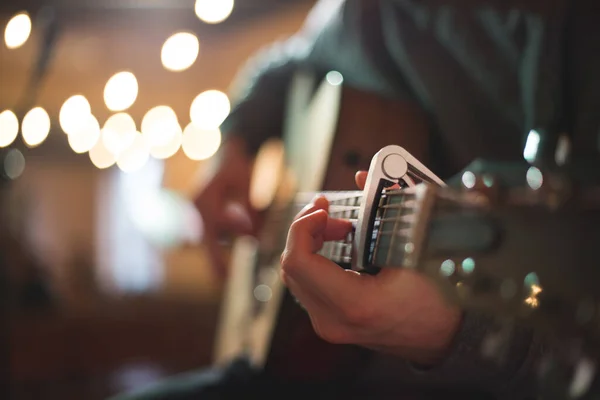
[(329, 135), (495, 242)]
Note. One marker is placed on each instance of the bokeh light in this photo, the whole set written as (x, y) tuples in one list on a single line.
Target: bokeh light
[(209, 109), (120, 91), (159, 125), (118, 132), (180, 51), (86, 137), (334, 78), (169, 149), (35, 127), (17, 31), (14, 164), (74, 113), (135, 156), (100, 156), (9, 128), (200, 144), (166, 218), (214, 11)]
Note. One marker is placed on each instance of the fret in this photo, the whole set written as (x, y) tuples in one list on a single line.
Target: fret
[(348, 212), (395, 229), (331, 250), (391, 230), (397, 220), (342, 207), (337, 251), (396, 232), (408, 205), (342, 260), (377, 227), (349, 246)]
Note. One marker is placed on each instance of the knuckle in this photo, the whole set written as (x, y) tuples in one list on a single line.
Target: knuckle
[(284, 259), (295, 227), (288, 261)]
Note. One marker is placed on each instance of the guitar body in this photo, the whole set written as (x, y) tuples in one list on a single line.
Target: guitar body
[(331, 133)]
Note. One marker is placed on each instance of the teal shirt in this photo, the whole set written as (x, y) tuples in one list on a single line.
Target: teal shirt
[(486, 72)]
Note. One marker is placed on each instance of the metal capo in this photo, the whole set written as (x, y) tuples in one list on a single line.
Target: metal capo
[(391, 165)]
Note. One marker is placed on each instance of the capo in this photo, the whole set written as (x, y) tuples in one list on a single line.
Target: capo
[(392, 165)]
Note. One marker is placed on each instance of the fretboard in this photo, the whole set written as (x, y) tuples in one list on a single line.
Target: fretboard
[(342, 205), (391, 231)]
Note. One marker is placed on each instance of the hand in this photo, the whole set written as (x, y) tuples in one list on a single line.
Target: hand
[(398, 311), (223, 200)]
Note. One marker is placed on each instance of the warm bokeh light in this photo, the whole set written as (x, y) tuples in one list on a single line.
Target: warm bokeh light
[(266, 174), (120, 91), (86, 137), (214, 11), (135, 156), (17, 30), (180, 51), (35, 127), (73, 113), (14, 164), (169, 149), (118, 132), (209, 109), (159, 125), (101, 157), (200, 144), (9, 128)]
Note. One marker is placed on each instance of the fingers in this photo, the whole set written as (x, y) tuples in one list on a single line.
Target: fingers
[(318, 203), (313, 273), (361, 179), (306, 231), (336, 229)]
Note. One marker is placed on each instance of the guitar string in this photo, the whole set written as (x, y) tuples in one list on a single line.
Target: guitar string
[(392, 241), (336, 209)]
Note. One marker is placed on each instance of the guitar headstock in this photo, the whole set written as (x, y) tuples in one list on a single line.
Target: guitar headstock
[(515, 242)]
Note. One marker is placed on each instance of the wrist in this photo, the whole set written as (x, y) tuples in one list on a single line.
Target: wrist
[(442, 341)]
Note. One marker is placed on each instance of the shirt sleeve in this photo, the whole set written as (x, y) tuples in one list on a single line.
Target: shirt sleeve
[(492, 358), (259, 95)]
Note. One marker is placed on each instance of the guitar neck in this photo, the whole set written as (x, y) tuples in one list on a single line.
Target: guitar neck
[(342, 205)]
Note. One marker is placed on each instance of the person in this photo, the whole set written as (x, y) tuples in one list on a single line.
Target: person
[(486, 73)]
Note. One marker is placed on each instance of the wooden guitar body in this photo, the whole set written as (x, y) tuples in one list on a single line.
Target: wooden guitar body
[(331, 133)]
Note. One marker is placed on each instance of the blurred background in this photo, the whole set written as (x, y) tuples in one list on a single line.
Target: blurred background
[(109, 111)]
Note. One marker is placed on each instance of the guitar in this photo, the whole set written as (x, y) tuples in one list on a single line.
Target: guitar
[(482, 241), (471, 241), (327, 140)]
